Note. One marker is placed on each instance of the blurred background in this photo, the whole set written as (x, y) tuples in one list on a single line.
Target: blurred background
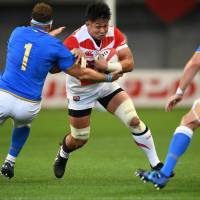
[(163, 34)]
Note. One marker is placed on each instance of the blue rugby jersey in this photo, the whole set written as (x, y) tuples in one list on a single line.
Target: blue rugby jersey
[(198, 49), (31, 53)]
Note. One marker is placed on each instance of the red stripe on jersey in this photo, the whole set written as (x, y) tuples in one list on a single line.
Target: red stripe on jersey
[(87, 44), (106, 41), (119, 38), (71, 42)]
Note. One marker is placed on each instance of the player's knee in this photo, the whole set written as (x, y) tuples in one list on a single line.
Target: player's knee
[(138, 127), (192, 124), (126, 112), (135, 122), (80, 134), (183, 120)]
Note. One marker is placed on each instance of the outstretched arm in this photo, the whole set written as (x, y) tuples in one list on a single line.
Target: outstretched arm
[(57, 31), (190, 70), (87, 74)]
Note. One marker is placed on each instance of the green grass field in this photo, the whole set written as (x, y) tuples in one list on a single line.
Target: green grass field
[(104, 168)]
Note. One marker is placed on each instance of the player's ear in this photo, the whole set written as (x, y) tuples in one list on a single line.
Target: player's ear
[(50, 26)]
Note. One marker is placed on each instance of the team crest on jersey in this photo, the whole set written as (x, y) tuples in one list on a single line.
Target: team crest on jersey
[(76, 98)]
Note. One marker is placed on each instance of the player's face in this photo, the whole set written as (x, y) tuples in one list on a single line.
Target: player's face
[(98, 29)]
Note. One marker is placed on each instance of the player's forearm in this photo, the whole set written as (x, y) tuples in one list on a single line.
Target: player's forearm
[(88, 74), (189, 73)]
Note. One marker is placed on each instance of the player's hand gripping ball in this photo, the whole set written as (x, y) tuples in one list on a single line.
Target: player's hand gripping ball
[(104, 57)]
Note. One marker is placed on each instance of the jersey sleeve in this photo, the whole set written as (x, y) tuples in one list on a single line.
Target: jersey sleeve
[(71, 42), (120, 40), (65, 58), (198, 49)]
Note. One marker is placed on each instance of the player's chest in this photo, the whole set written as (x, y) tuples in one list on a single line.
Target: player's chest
[(91, 49)]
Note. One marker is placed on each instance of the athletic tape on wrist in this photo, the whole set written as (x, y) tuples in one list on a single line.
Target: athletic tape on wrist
[(179, 91), (113, 66), (109, 77)]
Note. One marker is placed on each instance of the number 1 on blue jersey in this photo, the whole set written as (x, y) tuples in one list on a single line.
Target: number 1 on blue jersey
[(26, 55)]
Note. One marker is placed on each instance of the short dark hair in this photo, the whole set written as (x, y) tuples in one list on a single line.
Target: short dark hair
[(98, 10), (42, 12)]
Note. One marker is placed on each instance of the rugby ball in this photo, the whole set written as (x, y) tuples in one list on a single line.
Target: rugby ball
[(109, 54)]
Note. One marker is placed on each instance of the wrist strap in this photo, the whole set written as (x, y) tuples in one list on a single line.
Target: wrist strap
[(179, 91), (113, 66), (108, 77)]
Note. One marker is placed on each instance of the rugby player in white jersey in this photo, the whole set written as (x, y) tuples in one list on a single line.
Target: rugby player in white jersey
[(96, 34), (31, 54)]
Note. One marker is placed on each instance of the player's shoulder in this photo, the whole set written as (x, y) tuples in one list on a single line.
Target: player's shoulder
[(113, 31), (19, 29), (52, 40), (80, 30), (18, 32), (116, 30), (80, 34)]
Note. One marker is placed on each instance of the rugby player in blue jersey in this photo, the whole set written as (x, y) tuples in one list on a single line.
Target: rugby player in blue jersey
[(32, 52), (184, 132)]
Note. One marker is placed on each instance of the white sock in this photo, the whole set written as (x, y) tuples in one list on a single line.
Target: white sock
[(146, 143), (63, 154), (11, 159)]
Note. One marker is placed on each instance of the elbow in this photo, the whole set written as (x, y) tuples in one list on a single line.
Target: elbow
[(54, 70), (130, 66)]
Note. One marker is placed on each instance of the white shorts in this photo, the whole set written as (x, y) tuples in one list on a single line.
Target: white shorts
[(196, 109), (21, 111), (85, 100)]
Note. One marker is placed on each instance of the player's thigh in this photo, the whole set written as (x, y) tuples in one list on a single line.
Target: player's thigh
[(25, 112), (79, 118), (79, 109), (6, 104), (117, 100), (111, 96), (3, 115), (122, 106)]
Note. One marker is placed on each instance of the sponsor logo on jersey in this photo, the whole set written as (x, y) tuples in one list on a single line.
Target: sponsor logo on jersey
[(76, 98)]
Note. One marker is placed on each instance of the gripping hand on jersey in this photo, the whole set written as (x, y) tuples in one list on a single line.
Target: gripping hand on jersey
[(102, 65), (80, 57)]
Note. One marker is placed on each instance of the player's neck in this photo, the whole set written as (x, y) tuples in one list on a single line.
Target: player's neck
[(98, 42), (41, 28)]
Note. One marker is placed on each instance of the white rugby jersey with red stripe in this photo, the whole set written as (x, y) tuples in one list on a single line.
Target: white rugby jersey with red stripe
[(83, 40)]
